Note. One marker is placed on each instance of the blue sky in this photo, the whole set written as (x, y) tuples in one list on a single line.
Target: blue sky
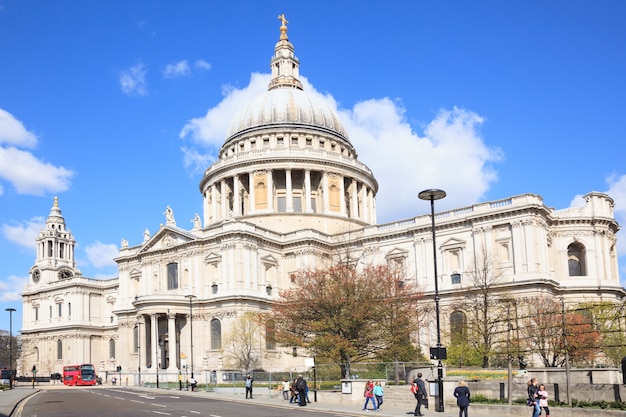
[(117, 107)]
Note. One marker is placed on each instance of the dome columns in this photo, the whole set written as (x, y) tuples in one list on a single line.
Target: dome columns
[(289, 190)]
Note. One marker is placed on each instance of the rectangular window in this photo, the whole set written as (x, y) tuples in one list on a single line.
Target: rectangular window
[(282, 204), (456, 278), (36, 311), (172, 276), (60, 308), (294, 141), (309, 142), (297, 204)]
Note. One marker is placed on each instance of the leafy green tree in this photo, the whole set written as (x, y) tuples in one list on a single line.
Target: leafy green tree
[(348, 314)]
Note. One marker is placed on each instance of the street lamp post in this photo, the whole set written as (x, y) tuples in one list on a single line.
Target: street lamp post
[(10, 310), (432, 195), (191, 297)]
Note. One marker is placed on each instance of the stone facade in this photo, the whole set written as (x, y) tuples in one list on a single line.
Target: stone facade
[(288, 194)]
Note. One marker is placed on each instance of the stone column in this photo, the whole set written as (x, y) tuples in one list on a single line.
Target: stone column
[(171, 342), (270, 190), (342, 196), (365, 215), (236, 197), (141, 328), (214, 202), (224, 193), (154, 338), (354, 206), (251, 199), (325, 191)]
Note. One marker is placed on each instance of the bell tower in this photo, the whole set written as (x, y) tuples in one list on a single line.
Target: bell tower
[(55, 250)]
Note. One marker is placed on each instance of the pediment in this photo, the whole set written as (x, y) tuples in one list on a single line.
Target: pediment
[(453, 243), (269, 260), (135, 273), (397, 253), (165, 238), (213, 258)]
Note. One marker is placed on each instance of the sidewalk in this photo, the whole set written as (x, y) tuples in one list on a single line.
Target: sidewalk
[(388, 409), (9, 399)]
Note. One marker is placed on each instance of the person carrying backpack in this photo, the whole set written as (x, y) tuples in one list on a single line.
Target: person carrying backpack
[(419, 391)]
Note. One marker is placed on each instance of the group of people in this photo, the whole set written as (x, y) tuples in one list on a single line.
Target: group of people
[(296, 391), (537, 398), (461, 392), (374, 393)]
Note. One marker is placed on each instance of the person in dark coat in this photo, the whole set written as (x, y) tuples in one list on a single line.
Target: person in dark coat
[(301, 386), (420, 394), (462, 394)]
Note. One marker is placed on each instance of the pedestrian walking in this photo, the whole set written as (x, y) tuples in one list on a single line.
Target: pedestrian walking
[(193, 383), (378, 394), (368, 393), (462, 394), (533, 398), (249, 381), (419, 391), (543, 400)]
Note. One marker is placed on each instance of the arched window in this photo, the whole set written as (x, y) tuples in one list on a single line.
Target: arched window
[(216, 334), (111, 349), (270, 335), (69, 309), (59, 349), (576, 260), (458, 326), (36, 354)]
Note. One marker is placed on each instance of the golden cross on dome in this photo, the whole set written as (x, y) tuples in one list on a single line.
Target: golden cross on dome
[(283, 20)]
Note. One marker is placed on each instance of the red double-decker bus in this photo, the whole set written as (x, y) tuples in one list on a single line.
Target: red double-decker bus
[(79, 375)]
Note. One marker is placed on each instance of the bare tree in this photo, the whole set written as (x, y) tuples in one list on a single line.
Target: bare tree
[(484, 307), (239, 347), (545, 327)]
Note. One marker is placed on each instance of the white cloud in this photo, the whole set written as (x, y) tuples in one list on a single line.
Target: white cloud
[(101, 255), (133, 80), (196, 162), (11, 287), (203, 65), (451, 154), (30, 175), (24, 234), (617, 191), (13, 132), (27, 173), (179, 69)]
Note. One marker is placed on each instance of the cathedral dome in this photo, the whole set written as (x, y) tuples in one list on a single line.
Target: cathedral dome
[(287, 106)]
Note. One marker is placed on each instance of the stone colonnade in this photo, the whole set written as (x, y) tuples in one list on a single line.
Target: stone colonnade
[(289, 191)]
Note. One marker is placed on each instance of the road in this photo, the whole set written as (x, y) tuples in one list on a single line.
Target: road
[(111, 402)]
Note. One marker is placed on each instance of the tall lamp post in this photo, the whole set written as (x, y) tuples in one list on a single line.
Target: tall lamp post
[(191, 297), (10, 310), (432, 195)]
